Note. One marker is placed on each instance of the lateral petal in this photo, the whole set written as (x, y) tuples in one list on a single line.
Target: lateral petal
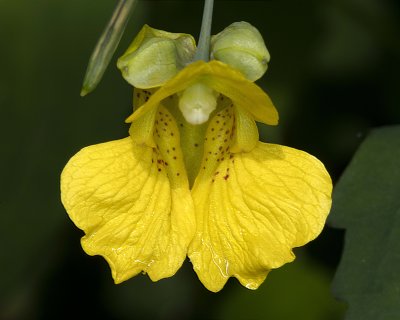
[(121, 195), (250, 215)]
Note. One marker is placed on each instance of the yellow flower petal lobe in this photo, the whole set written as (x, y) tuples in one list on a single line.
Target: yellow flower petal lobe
[(223, 79), (167, 139), (134, 206), (250, 215), (217, 142)]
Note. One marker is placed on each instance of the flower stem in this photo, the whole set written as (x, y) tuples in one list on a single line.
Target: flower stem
[(203, 48), (106, 45)]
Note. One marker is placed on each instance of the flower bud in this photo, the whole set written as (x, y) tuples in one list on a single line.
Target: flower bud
[(155, 56), (241, 46)]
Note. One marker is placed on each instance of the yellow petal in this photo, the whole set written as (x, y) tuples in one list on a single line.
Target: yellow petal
[(142, 129), (141, 96), (135, 208), (253, 210), (223, 79), (191, 137), (245, 135)]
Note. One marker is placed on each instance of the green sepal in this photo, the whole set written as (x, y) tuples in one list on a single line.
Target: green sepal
[(241, 46), (155, 56)]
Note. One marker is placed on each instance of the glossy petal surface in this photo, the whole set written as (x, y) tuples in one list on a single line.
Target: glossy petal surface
[(133, 212), (253, 209)]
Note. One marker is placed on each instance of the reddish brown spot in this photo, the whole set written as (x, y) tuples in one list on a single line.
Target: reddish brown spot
[(226, 177)]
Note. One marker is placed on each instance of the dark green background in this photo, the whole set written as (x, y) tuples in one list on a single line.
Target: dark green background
[(333, 76)]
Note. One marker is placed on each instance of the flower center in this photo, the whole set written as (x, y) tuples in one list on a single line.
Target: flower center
[(197, 102)]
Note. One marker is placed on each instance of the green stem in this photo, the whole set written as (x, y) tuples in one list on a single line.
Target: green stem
[(106, 45), (203, 48)]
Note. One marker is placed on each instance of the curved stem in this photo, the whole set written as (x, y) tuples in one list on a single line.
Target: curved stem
[(106, 45), (203, 48)]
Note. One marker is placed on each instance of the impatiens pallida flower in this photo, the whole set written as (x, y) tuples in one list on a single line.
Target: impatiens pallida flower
[(193, 179)]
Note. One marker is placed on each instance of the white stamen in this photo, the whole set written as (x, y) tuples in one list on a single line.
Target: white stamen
[(197, 102)]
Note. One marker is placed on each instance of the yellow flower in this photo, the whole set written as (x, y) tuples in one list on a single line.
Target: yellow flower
[(195, 181)]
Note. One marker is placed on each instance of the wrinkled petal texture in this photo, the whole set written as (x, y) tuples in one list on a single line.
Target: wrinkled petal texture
[(119, 193), (253, 210), (223, 79)]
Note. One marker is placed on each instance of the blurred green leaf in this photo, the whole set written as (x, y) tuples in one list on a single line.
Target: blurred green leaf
[(367, 204)]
